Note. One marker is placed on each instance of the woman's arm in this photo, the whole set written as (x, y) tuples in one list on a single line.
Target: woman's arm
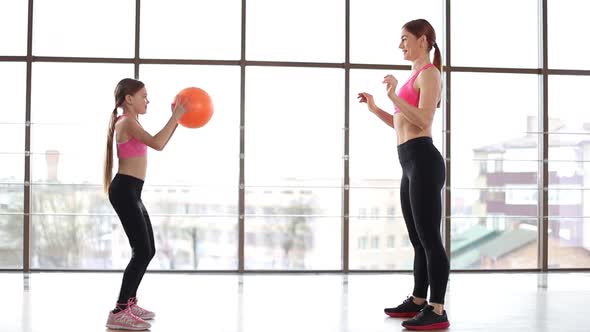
[(365, 97), (429, 83), (384, 116)]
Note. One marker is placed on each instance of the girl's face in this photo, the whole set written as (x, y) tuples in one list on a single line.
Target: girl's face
[(138, 102)]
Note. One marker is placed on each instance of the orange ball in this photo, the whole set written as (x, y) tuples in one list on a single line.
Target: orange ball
[(198, 105)]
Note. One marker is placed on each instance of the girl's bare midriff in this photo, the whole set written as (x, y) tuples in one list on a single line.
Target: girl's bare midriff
[(135, 166)]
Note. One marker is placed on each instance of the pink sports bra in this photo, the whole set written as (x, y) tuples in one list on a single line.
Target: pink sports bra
[(407, 91), (130, 148)]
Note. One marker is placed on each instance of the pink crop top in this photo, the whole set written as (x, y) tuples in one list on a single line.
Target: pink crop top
[(407, 91), (130, 148)]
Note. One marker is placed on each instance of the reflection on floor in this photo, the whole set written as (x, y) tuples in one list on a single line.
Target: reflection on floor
[(56, 302)]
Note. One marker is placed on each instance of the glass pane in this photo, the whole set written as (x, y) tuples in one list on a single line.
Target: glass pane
[(375, 27), (569, 242), (63, 159), (294, 199), (91, 29), (293, 228), (215, 201), (12, 138), (374, 164), (13, 86), (380, 243), (193, 243), (69, 199), (567, 115), (13, 167), (99, 242), (86, 99), (495, 143), (493, 242), (478, 40), (11, 236), (12, 142), (59, 125), (304, 30), (568, 200), (182, 29), (73, 242), (508, 198), (13, 18), (208, 155), (569, 169), (293, 242), (294, 130), (11, 198), (564, 18), (379, 201)]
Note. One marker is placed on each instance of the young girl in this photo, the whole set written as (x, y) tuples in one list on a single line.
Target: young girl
[(125, 193)]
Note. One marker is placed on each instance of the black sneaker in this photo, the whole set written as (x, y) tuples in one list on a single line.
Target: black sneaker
[(407, 309), (427, 319)]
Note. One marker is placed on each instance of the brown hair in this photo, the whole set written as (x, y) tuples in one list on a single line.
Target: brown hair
[(422, 27), (126, 86)]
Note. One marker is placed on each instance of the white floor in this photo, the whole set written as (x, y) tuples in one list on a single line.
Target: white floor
[(55, 302)]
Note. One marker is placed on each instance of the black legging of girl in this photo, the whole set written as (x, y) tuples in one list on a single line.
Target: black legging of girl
[(125, 196), (420, 190)]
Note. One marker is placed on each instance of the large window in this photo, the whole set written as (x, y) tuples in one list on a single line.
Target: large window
[(68, 139), (293, 165), (494, 171), (290, 162), (378, 235), (88, 29), (375, 27), (12, 129), (13, 18), (569, 173), (565, 18), (375, 173), (304, 30), (201, 30), (503, 33), (195, 179)]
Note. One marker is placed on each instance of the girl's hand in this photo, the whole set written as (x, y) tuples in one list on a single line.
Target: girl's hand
[(178, 109)]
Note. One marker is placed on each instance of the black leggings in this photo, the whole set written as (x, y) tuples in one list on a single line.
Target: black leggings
[(125, 196), (422, 180)]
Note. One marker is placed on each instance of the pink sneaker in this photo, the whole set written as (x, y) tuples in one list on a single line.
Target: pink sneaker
[(126, 320), (139, 311)]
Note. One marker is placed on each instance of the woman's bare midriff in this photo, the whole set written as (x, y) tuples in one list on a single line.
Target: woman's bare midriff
[(406, 131)]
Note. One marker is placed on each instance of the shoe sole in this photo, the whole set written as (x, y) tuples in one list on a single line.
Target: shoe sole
[(401, 314), (120, 327), (437, 326)]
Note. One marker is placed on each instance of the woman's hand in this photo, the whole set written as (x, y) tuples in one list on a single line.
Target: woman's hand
[(367, 98), (391, 84)]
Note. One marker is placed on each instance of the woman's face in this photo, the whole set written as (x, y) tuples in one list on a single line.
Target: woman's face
[(411, 46)]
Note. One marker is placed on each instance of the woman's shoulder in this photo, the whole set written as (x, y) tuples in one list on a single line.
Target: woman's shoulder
[(429, 74)]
